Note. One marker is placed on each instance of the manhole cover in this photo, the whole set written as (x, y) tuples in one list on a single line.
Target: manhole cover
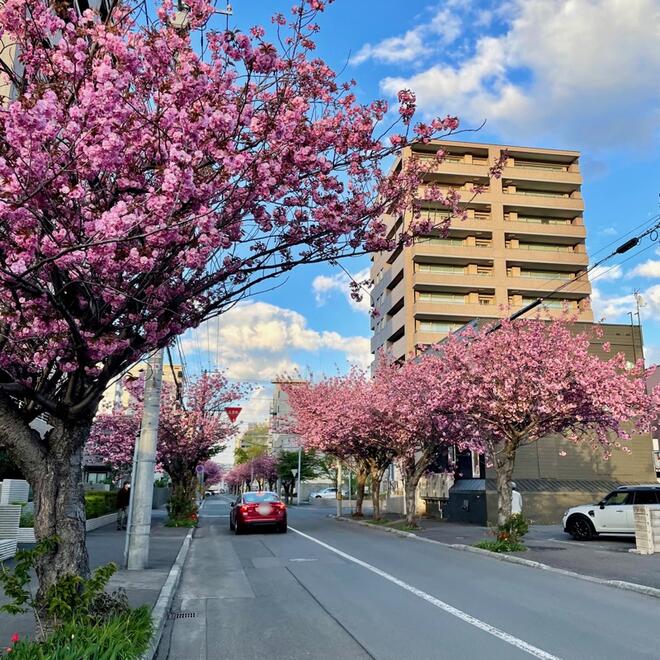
[(182, 615)]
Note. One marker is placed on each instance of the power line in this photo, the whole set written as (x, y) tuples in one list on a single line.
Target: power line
[(621, 249)]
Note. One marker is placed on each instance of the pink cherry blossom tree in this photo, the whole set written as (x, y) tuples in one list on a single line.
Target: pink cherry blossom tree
[(530, 379), (336, 416), (191, 429), (409, 422), (212, 473), (147, 185)]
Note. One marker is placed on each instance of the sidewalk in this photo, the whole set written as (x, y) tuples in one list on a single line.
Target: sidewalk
[(104, 545), (605, 557)]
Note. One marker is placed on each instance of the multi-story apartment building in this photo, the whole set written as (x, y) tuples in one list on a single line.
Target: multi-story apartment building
[(523, 237)]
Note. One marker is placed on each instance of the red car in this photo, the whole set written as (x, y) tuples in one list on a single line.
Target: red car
[(255, 509)]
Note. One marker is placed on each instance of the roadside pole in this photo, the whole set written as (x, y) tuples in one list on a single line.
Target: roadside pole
[(339, 482), (350, 491), (142, 490), (299, 471)]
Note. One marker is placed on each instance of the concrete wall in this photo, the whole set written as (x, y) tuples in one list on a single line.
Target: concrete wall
[(647, 529)]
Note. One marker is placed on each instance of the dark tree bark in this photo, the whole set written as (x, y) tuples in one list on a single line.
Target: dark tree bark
[(504, 461), (377, 472), (413, 470), (361, 479)]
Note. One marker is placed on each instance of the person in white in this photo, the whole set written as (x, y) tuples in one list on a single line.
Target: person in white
[(516, 500)]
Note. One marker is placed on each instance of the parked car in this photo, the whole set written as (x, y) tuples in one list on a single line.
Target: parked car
[(613, 515), (324, 494), (256, 509)]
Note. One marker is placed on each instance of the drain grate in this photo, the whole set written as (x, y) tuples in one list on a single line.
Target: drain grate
[(182, 615)]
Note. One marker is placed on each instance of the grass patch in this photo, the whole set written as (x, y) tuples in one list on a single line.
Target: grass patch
[(403, 526), (500, 546), (399, 524)]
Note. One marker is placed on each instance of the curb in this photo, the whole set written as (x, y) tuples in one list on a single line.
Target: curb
[(617, 584), (162, 606)]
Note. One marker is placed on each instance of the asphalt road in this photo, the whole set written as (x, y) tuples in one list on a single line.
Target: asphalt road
[(327, 590)]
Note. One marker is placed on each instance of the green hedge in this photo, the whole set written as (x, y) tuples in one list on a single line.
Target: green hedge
[(124, 637), (99, 503)]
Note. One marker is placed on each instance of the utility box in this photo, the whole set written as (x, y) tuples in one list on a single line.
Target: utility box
[(647, 528)]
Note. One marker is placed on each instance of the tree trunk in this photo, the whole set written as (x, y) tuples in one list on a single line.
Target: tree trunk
[(59, 505), (183, 498), (411, 482), (504, 464), (361, 478), (376, 478)]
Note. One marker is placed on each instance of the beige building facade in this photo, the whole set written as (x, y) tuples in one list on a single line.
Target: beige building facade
[(524, 236)]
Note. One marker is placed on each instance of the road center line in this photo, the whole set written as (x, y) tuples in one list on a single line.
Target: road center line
[(463, 616)]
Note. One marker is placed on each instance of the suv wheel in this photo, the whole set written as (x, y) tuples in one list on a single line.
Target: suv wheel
[(581, 528)]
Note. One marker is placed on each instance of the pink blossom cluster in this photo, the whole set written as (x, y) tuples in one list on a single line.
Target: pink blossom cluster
[(144, 187), (262, 469), (192, 427)]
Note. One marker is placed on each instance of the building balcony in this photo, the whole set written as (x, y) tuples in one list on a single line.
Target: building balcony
[(448, 282), (454, 311), (398, 349), (542, 172), (546, 230), (541, 286), (547, 257), (542, 201), (434, 252), (391, 298)]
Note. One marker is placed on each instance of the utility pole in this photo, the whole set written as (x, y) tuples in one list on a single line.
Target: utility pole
[(299, 471), (340, 479), (142, 479)]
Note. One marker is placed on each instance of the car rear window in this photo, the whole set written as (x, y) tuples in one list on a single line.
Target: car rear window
[(646, 497), (250, 498)]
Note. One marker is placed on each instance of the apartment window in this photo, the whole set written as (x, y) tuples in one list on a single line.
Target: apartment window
[(481, 216), (543, 274), (435, 297), (484, 270), (537, 220), (438, 326), (452, 242), (483, 242), (537, 165), (477, 160), (545, 247), (486, 300), (551, 303), (448, 269), (540, 193), (435, 215)]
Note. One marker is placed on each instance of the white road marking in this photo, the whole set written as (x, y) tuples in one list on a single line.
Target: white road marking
[(464, 616), (213, 515)]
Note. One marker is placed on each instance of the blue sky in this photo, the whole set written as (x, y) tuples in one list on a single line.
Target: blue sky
[(577, 74)]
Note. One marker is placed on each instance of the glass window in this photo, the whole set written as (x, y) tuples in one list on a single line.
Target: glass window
[(646, 497), (618, 497), (441, 268), (250, 498)]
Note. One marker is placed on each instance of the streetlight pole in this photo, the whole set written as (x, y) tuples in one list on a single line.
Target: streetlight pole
[(339, 482), (142, 487), (299, 472)]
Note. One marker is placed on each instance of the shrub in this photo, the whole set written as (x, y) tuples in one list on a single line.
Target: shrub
[(27, 519), (508, 536), (99, 503), (124, 636)]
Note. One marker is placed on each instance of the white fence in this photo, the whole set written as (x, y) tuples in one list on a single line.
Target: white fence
[(14, 490), (647, 528)]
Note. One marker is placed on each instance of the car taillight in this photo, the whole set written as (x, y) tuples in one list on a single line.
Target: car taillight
[(244, 508)]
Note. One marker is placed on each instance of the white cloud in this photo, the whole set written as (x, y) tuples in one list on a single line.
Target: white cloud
[(605, 273), (324, 285), (650, 268), (569, 71), (615, 308), (254, 342), (652, 355), (609, 231), (442, 29)]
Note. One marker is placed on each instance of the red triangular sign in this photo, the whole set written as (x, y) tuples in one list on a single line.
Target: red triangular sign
[(233, 412)]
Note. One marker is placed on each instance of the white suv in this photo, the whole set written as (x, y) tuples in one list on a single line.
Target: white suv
[(324, 494), (612, 515)]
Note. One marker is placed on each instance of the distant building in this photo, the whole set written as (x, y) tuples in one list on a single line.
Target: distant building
[(281, 417), (653, 382)]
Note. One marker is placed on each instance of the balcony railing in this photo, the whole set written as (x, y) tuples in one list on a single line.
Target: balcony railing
[(539, 221), (537, 193), (550, 167)]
